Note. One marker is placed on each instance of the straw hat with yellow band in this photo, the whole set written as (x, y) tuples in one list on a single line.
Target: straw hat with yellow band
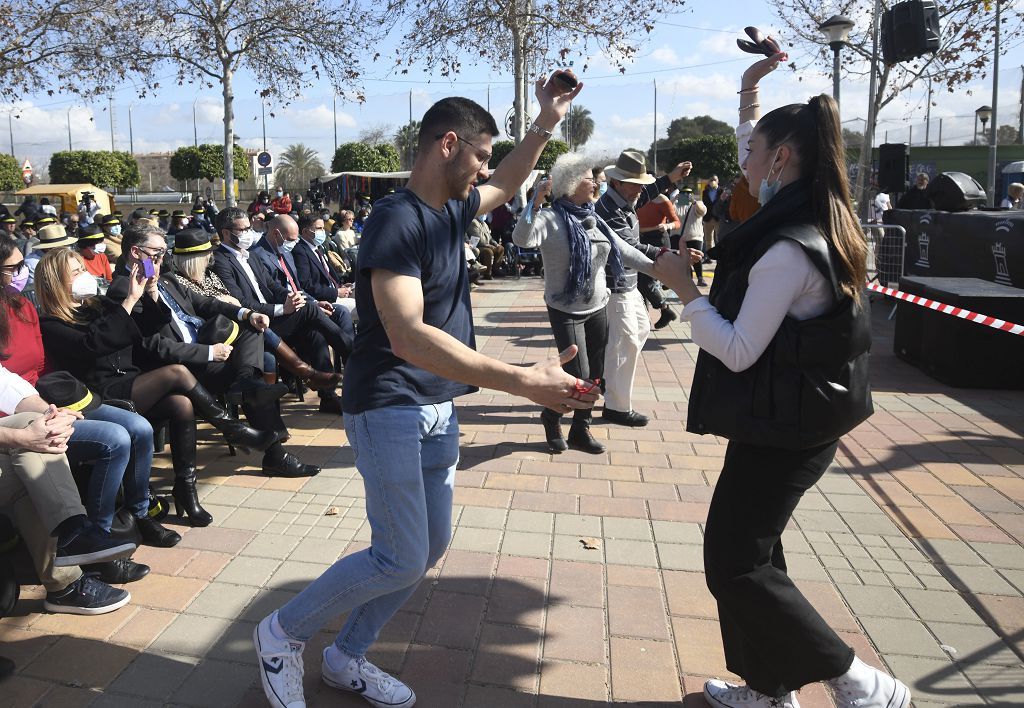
[(191, 242), (65, 391), (218, 330)]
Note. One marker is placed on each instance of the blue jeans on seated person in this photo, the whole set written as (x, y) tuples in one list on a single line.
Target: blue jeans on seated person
[(119, 445), (407, 457)]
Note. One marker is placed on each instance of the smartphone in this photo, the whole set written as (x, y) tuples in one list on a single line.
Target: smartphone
[(148, 270)]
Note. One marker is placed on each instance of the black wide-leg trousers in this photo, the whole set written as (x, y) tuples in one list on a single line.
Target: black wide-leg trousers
[(773, 638)]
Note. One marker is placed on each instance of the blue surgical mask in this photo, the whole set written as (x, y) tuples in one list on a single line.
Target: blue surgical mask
[(289, 245), (115, 230), (319, 237), (603, 188), (767, 190)]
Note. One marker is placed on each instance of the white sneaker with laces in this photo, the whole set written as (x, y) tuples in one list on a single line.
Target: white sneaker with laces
[(280, 664), (380, 689), (865, 686), (723, 694)]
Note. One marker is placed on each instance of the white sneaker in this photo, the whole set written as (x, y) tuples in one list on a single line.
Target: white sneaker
[(866, 687), (280, 663), (360, 676), (723, 694)]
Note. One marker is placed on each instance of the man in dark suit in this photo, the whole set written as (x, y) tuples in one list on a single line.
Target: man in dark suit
[(277, 249), (235, 367), (298, 320), (316, 274)]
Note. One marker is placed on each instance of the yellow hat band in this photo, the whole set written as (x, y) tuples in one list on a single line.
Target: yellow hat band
[(193, 249), (80, 404)]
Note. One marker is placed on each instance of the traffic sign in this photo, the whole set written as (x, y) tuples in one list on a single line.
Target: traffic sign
[(26, 172), (265, 171), (510, 120), (263, 160)]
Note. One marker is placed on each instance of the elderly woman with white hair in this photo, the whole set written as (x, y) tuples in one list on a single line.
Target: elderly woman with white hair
[(580, 253)]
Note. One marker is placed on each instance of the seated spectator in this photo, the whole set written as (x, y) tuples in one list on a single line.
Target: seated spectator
[(361, 218), (50, 237), (36, 483), (111, 226), (489, 251), (8, 227), (262, 200), (25, 234), (346, 238), (93, 338), (282, 202), (179, 222), (262, 281), (92, 249), (46, 208), (231, 364), (69, 220), (315, 275), (192, 264)]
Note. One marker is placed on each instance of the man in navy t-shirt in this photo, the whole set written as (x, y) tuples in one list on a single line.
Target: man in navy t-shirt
[(413, 354)]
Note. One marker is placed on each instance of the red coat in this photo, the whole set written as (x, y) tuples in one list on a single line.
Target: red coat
[(282, 205)]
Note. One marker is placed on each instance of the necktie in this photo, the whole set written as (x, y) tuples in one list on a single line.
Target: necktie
[(193, 323), (327, 270), (287, 273)]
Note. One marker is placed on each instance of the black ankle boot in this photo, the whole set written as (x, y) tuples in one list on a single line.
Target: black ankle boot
[(579, 434), (667, 316), (183, 459), (235, 431), (553, 430)]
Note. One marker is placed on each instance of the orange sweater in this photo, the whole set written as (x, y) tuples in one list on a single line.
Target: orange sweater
[(658, 211)]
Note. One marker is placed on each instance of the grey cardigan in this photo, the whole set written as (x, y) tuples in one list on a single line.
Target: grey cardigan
[(549, 231)]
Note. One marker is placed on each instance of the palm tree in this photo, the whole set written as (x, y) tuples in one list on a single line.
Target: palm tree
[(406, 141), (296, 167), (577, 127)]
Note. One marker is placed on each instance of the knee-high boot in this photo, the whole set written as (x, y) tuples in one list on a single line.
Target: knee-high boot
[(289, 360), (235, 431), (183, 458), (579, 434)]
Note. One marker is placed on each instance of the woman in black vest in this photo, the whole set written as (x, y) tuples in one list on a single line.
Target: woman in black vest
[(782, 374)]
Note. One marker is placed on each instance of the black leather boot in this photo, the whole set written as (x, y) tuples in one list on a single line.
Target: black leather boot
[(553, 430), (155, 534), (235, 431), (183, 459), (579, 434)]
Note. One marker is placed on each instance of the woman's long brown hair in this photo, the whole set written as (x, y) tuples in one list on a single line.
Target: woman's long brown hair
[(813, 130)]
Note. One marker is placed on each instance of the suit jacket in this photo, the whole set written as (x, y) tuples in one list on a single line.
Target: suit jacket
[(313, 278), (167, 346), (237, 282), (268, 256)]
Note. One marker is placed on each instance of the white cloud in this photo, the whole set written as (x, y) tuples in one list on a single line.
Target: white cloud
[(665, 55), (320, 117)]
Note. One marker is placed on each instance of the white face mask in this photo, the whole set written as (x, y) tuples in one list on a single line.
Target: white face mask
[(289, 245), (246, 239), (100, 247), (767, 190), (83, 286)]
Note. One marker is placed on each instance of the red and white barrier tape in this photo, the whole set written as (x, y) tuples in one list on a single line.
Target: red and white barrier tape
[(949, 309)]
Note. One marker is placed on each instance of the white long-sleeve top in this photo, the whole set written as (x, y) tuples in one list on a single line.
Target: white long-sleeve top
[(782, 282), (13, 390)]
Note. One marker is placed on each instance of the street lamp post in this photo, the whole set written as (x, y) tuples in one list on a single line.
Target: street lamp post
[(837, 30), (195, 129), (982, 114), (69, 129), (131, 135)]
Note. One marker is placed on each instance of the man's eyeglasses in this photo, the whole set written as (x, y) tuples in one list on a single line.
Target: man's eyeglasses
[(486, 155), (159, 252), (13, 269)]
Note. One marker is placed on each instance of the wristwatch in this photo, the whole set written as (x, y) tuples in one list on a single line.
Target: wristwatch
[(542, 132)]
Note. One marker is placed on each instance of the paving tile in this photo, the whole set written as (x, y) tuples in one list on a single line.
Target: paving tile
[(901, 636), (154, 676), (530, 521), (163, 592), (191, 635), (586, 682), (521, 543), (249, 570), (575, 633), (636, 612), (577, 583), (79, 662), (688, 595), (216, 683), (940, 606), (451, 620), (933, 680), (974, 644), (643, 670), (507, 656)]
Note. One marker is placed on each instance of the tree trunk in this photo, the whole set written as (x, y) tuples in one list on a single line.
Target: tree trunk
[(229, 136)]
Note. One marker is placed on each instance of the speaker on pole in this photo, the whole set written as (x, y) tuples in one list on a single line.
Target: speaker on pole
[(909, 30), (893, 167)]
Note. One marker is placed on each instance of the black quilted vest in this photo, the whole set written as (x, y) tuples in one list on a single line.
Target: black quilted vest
[(810, 386)]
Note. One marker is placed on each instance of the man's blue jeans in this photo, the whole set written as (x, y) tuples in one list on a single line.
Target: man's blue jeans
[(119, 444), (407, 457)]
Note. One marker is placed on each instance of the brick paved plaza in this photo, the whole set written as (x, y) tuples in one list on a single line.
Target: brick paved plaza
[(911, 547)]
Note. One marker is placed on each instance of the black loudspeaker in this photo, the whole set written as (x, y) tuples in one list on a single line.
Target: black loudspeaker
[(953, 350), (956, 191), (910, 29), (893, 167)]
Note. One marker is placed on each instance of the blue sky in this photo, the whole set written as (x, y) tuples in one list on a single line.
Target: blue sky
[(692, 58)]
